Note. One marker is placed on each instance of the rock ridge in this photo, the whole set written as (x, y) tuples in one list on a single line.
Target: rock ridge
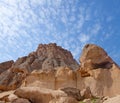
[(51, 71)]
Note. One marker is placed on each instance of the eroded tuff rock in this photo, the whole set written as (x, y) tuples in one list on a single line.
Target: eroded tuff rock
[(46, 57), (98, 72), (52, 67), (94, 57), (52, 79), (5, 65), (39, 95), (73, 92)]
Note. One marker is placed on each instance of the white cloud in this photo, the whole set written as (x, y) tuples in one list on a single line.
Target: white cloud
[(26, 23), (84, 38), (95, 29)]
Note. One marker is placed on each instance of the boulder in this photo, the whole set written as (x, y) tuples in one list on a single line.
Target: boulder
[(21, 100), (86, 93), (4, 95), (39, 95), (94, 57), (73, 92), (12, 97)]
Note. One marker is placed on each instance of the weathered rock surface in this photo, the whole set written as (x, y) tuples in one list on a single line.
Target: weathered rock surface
[(73, 92), (53, 68), (5, 65), (64, 100), (46, 57), (41, 78), (94, 57), (4, 95), (39, 95), (10, 80), (115, 99), (65, 77), (98, 72), (58, 78), (21, 100)]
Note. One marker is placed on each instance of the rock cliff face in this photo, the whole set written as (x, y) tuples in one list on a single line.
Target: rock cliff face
[(98, 71), (46, 57), (54, 68)]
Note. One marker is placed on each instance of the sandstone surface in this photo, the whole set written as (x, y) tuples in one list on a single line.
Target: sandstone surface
[(101, 74), (46, 57), (51, 75)]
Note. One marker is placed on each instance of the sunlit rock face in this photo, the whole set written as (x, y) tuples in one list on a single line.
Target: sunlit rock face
[(51, 69), (94, 57), (98, 71), (46, 57)]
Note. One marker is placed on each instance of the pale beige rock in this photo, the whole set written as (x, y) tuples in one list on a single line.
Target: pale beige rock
[(52, 79), (4, 94), (39, 95), (20, 100), (41, 78), (12, 97), (65, 77), (98, 72), (115, 99), (102, 82), (64, 100)]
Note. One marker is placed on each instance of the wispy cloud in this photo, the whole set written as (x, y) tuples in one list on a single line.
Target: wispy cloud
[(25, 24)]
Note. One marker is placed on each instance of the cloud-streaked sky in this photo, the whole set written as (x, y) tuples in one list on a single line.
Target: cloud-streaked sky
[(70, 23)]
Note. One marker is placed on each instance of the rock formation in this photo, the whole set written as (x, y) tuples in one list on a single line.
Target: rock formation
[(98, 71), (5, 65), (51, 75), (46, 57)]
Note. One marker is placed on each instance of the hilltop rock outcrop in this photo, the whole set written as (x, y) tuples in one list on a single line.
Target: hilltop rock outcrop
[(94, 57), (46, 57), (51, 75), (98, 72), (5, 65)]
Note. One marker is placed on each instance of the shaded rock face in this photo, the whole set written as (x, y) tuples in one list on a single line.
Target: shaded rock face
[(73, 92), (5, 65)]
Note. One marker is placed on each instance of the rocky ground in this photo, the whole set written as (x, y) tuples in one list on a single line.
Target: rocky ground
[(51, 75)]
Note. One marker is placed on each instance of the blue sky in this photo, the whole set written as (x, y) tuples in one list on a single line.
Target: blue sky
[(70, 23)]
